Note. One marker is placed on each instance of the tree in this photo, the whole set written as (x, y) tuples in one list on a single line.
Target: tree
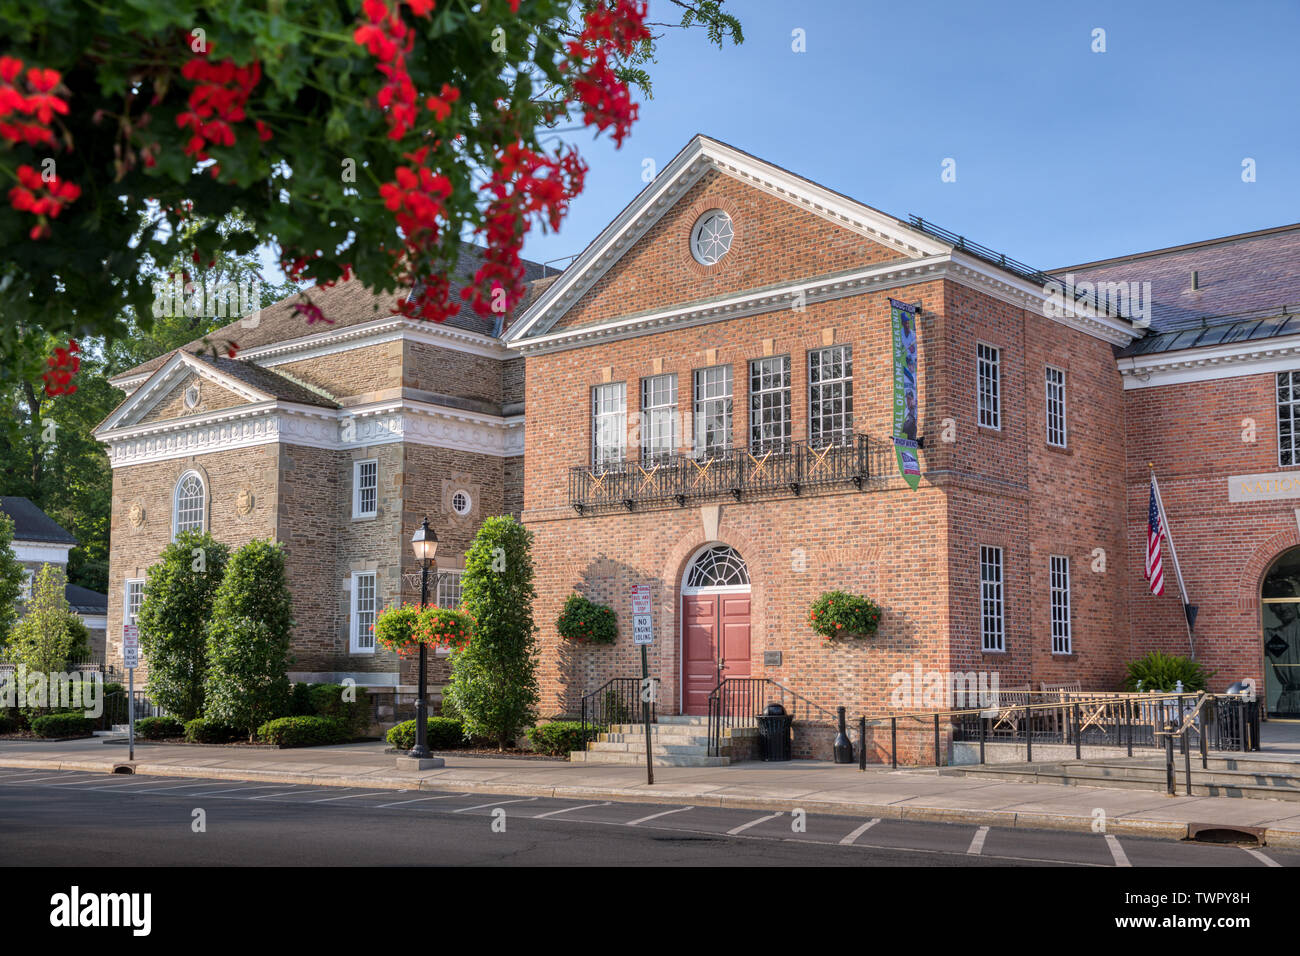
[(366, 144), (11, 579), (50, 634), (248, 640), (494, 680), (179, 593)]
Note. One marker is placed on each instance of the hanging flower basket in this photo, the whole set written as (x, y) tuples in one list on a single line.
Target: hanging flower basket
[(837, 614), (586, 622), (405, 627)]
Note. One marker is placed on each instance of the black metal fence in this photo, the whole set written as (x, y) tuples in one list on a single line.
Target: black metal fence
[(617, 701), (739, 701), (393, 707), (788, 468)]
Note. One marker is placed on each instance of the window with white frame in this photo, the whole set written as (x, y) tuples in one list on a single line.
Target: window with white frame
[(1055, 384), (449, 588), (133, 597), (988, 362), (992, 631), (712, 410), (769, 404), (1288, 418), (608, 423), (1059, 575), (29, 584), (190, 511), (364, 608), (365, 488), (658, 417), (830, 396)]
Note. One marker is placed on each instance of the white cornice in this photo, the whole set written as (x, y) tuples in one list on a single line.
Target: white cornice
[(41, 551), (419, 423), (701, 155), (159, 382), (1252, 357), (889, 275)]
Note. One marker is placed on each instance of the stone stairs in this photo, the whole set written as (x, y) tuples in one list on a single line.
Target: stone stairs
[(1256, 776), (674, 742)]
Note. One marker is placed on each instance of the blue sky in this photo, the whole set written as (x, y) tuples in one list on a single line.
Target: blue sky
[(1062, 155)]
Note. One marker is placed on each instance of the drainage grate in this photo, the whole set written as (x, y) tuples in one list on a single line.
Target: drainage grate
[(1225, 834), (123, 768)]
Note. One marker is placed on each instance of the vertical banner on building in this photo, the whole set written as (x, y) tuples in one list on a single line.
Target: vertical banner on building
[(903, 317)]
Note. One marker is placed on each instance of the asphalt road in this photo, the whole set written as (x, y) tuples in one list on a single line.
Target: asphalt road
[(71, 818)]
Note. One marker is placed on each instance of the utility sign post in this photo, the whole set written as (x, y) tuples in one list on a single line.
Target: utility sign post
[(643, 634), (130, 660)]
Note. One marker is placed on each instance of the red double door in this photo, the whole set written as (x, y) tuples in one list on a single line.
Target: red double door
[(715, 645)]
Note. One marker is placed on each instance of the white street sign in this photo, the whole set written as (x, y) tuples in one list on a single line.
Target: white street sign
[(130, 645), (643, 631)]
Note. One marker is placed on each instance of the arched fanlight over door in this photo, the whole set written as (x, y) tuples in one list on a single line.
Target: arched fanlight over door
[(717, 568)]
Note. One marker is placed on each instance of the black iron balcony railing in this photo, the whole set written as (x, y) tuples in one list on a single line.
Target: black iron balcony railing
[(790, 468)]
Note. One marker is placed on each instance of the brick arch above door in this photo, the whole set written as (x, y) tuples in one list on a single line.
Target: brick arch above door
[(1261, 559)]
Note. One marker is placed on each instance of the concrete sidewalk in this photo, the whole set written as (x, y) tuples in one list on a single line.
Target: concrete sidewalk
[(814, 786)]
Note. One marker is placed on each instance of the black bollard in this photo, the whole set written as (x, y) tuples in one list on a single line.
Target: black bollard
[(843, 746)]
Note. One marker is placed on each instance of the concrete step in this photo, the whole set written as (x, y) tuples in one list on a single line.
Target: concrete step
[(680, 730), (684, 720), (638, 759), (638, 747)]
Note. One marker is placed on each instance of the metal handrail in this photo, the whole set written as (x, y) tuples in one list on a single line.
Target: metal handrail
[(733, 704), (617, 701)]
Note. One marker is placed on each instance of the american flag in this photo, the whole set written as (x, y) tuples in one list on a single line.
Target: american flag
[(1154, 571)]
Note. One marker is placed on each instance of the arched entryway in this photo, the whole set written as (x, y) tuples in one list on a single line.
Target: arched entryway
[(715, 623), (1280, 613)]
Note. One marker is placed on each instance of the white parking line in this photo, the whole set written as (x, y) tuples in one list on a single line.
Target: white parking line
[(655, 816), (1266, 860), (556, 813), (85, 778), (752, 823), (51, 776), (848, 840), (179, 786), (445, 796), (1117, 851), (369, 793), (147, 782), (977, 842), (496, 803), (268, 796), (265, 786)]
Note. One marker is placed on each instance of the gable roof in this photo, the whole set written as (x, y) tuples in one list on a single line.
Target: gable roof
[(345, 304), (1251, 273), (85, 601), (33, 524), (699, 156)]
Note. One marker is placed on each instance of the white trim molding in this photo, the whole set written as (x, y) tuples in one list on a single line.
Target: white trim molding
[(44, 553), (1207, 363)]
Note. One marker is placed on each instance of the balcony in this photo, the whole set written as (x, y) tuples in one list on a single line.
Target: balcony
[(793, 468)]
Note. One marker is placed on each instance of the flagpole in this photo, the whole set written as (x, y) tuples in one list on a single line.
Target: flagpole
[(1173, 553)]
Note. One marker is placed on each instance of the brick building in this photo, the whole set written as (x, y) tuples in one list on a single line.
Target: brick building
[(709, 400)]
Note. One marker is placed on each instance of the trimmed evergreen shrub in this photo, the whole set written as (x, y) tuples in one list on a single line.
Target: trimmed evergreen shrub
[(8, 724), (159, 728), (303, 731), (444, 733), (200, 730), (300, 700), (559, 737), (329, 700), (62, 725)]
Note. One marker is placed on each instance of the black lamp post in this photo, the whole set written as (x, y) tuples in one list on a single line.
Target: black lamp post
[(425, 545)]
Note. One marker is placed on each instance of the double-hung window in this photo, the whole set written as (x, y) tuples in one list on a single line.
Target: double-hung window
[(712, 410), (830, 396), (365, 488), (992, 627), (449, 588), (1055, 386), (133, 597), (988, 362), (364, 608), (769, 404), (658, 417), (1059, 583), (608, 423), (1288, 418)]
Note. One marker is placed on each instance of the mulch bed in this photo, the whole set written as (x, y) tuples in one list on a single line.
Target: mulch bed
[(28, 735), (514, 754)]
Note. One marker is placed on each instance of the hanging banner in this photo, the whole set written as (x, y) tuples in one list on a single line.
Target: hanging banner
[(903, 317)]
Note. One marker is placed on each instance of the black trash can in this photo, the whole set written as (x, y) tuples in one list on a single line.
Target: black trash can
[(775, 733)]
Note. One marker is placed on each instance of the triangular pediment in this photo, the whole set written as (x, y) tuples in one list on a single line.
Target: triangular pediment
[(181, 387), (642, 260)]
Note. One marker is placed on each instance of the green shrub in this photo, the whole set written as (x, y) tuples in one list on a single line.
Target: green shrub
[(1162, 672), (840, 614), (444, 733), (300, 700), (303, 731), (200, 730), (8, 724), (587, 622), (157, 728), (70, 724), (327, 700), (559, 737)]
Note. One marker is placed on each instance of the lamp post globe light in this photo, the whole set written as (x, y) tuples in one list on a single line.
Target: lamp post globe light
[(425, 545)]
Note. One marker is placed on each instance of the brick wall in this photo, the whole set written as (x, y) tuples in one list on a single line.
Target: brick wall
[(435, 369)]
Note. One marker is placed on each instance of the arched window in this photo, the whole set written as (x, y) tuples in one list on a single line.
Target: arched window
[(191, 498), (717, 568)]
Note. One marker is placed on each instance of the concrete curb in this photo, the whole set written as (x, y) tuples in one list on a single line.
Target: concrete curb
[(1157, 829)]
